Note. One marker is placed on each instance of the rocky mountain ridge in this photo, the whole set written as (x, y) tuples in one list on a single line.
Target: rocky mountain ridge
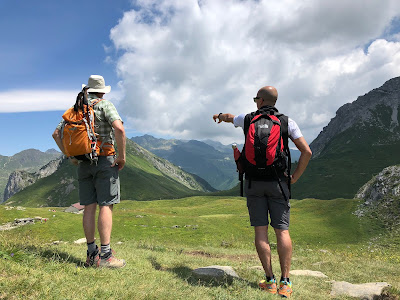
[(385, 184), (362, 139), (20, 179), (30, 160), (363, 112), (144, 177), (381, 197)]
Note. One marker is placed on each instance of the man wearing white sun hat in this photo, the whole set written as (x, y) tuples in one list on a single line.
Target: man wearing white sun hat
[(99, 183)]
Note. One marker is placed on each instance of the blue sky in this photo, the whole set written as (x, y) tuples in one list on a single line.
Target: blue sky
[(172, 64), (47, 43), (51, 45)]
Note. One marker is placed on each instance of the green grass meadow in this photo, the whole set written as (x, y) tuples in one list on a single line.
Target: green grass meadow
[(164, 240)]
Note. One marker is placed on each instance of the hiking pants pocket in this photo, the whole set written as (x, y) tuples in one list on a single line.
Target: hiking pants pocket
[(107, 182)]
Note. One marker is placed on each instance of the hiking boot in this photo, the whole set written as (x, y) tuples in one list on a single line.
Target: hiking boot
[(92, 258), (285, 289), (268, 286), (110, 261)]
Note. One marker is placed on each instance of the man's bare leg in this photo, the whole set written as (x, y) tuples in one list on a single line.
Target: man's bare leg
[(104, 224), (107, 259), (89, 221), (284, 244), (263, 248)]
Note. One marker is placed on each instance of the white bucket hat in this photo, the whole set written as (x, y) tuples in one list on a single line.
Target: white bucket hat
[(97, 84)]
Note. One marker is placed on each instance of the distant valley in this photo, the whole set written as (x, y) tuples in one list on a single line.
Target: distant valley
[(208, 159), (216, 164)]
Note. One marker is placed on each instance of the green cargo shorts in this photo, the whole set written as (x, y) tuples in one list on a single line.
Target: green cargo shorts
[(99, 183)]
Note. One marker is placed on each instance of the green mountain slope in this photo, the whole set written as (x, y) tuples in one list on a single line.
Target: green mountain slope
[(217, 167), (144, 177), (359, 142), (30, 160)]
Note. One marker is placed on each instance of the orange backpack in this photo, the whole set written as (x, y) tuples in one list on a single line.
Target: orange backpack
[(78, 136)]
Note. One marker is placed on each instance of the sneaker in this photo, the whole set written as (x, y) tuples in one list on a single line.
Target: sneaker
[(285, 289), (268, 286), (110, 261), (92, 258)]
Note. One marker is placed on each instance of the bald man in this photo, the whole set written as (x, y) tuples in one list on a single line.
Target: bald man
[(266, 197)]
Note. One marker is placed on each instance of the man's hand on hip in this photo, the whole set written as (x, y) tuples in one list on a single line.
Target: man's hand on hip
[(74, 161), (120, 162)]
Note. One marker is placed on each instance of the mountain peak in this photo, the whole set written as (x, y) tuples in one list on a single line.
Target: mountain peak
[(378, 108), (52, 151), (391, 85)]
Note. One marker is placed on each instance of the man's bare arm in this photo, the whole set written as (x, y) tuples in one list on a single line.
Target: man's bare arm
[(57, 139), (305, 156), (120, 138), (228, 118)]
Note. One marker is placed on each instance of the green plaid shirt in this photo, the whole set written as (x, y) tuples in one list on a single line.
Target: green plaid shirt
[(105, 114)]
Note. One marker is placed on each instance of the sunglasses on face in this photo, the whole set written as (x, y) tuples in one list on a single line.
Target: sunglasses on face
[(256, 98)]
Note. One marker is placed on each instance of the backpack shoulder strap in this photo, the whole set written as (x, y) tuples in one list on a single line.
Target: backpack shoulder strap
[(94, 102), (285, 136), (247, 121), (285, 129)]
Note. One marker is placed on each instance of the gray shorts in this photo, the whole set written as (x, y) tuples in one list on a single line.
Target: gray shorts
[(99, 183), (265, 197)]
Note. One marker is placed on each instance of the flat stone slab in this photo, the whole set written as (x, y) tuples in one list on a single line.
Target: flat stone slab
[(215, 272), (308, 273), (365, 291), (80, 241), (21, 222)]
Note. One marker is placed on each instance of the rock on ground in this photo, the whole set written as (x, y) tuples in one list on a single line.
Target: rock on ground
[(215, 273), (21, 222), (365, 291), (308, 273), (80, 241)]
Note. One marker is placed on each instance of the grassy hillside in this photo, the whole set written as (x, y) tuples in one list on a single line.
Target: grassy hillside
[(140, 180), (163, 241)]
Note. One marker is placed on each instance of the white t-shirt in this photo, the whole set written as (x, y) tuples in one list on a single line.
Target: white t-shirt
[(293, 129)]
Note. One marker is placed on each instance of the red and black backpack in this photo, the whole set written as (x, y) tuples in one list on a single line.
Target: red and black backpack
[(265, 155)]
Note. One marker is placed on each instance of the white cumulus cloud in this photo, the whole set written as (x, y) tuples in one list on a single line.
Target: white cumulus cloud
[(42, 100), (35, 100), (183, 61)]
